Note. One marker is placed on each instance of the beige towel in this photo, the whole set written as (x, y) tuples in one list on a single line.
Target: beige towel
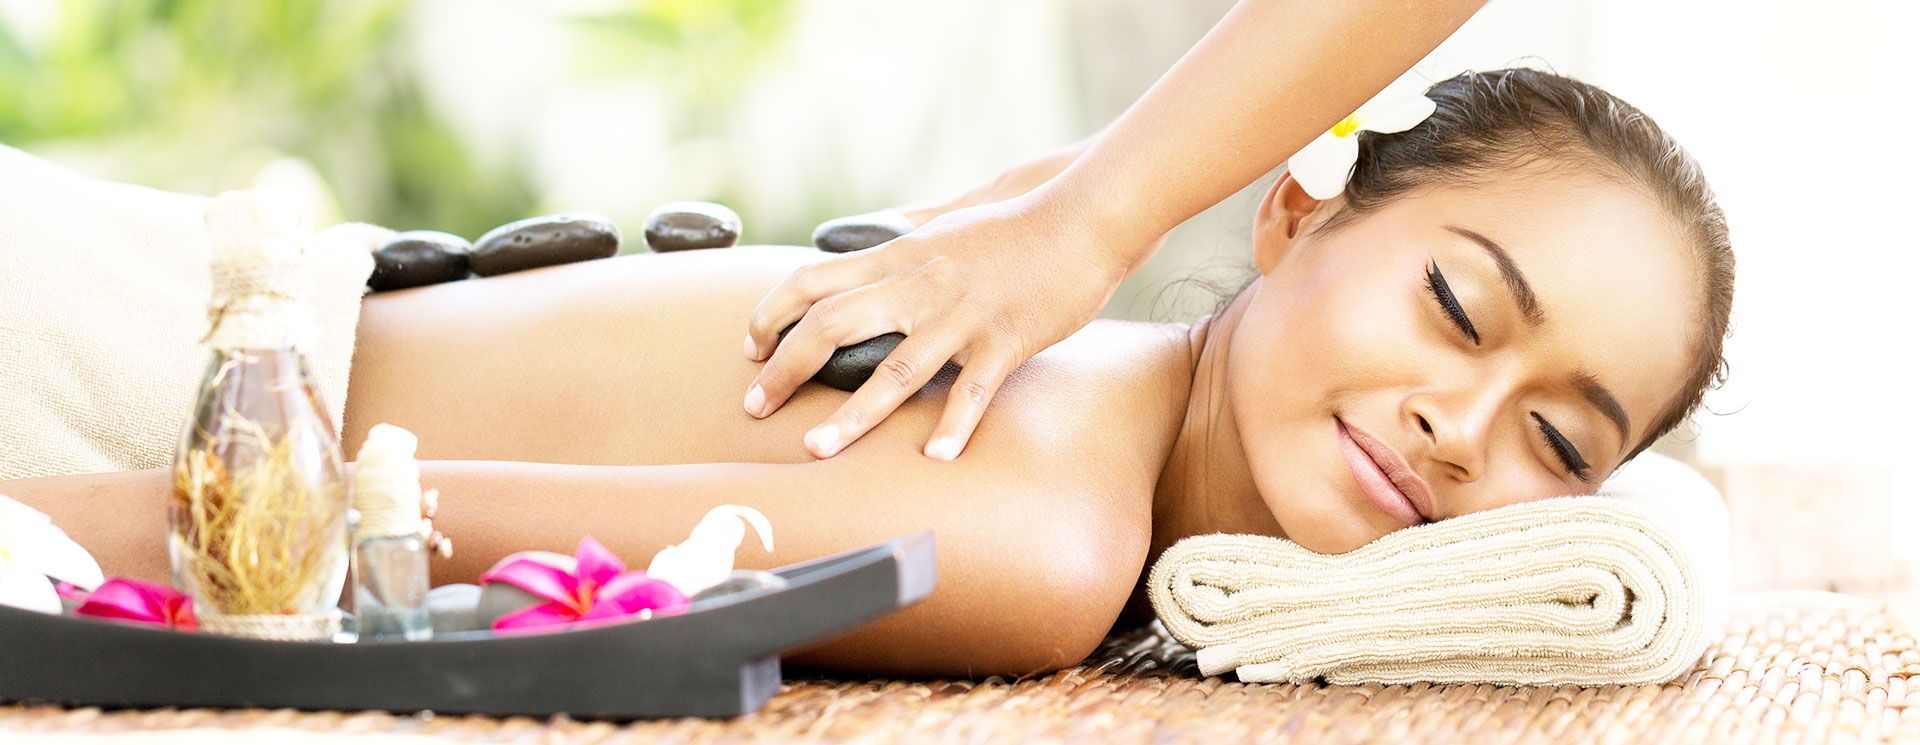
[(103, 302), (1627, 587)]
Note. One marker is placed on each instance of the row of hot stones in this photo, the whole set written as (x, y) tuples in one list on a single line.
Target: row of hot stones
[(417, 258)]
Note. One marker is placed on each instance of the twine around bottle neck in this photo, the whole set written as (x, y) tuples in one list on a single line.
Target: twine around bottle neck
[(260, 303)]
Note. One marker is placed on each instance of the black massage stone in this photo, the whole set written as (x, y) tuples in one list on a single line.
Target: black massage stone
[(545, 241), (855, 232), (850, 366), (419, 257), (451, 608), (684, 226)]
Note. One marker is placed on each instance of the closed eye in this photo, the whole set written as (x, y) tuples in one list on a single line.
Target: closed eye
[(1442, 294), (1562, 447)]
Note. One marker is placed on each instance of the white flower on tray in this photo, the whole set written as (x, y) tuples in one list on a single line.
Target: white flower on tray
[(34, 554), (705, 558)]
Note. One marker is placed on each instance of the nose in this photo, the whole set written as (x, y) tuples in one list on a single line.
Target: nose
[(1456, 428)]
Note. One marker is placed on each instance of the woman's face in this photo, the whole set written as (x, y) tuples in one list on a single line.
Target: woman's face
[(1458, 349)]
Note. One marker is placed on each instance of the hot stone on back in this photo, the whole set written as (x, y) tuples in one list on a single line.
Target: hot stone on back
[(545, 241), (851, 365)]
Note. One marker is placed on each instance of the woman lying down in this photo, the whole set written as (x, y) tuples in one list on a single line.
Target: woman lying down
[(1506, 303)]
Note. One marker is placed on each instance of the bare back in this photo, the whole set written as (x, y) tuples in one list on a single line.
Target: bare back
[(1041, 525), (636, 360)]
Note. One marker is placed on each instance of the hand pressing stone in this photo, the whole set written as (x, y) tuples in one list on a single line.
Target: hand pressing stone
[(419, 257), (683, 226), (855, 232), (545, 241), (851, 365)]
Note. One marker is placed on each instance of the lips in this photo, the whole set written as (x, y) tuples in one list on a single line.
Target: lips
[(1384, 477)]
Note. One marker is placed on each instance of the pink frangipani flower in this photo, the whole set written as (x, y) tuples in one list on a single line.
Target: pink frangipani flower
[(599, 588), (122, 599)]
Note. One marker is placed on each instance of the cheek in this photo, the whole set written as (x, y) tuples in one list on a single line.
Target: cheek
[(1304, 350), (1314, 341), (1515, 477)]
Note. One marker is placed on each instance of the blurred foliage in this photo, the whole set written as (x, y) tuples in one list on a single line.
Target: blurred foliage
[(702, 51), (178, 84), (169, 92)]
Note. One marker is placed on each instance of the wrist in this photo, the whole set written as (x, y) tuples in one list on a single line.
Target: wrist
[(1120, 234)]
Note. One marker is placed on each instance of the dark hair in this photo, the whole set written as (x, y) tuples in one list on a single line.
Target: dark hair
[(1488, 122)]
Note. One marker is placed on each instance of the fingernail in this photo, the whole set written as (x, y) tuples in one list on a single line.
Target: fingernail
[(943, 448), (752, 350), (825, 439), (756, 400)]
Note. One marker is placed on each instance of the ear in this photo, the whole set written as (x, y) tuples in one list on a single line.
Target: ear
[(1282, 218)]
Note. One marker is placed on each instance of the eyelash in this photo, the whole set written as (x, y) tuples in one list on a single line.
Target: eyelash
[(1442, 294), (1562, 447), (1569, 455)]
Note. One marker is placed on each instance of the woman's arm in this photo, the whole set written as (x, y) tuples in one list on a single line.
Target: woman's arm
[(1015, 181), (1265, 81), (1270, 77), (1034, 564)]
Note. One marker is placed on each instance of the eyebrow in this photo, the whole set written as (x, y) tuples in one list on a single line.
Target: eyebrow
[(1510, 272), (1602, 399), (1589, 386)]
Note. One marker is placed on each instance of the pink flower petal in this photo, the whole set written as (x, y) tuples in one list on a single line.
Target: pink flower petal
[(543, 580), (130, 600), (597, 564), (70, 591), (633, 592), (538, 616), (180, 613)]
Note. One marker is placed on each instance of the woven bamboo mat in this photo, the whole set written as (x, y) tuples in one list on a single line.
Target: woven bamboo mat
[(1792, 667)]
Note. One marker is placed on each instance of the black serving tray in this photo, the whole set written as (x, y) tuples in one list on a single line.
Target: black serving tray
[(719, 661)]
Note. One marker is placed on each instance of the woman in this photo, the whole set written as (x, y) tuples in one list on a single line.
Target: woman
[(1507, 302), (1268, 78)]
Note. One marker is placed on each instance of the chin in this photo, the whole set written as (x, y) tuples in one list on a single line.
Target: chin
[(1330, 517), (1340, 538)]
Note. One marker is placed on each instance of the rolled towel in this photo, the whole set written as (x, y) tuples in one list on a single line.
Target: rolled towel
[(1625, 587)]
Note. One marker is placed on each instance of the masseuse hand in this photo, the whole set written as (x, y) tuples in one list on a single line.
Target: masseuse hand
[(990, 285), (986, 286)]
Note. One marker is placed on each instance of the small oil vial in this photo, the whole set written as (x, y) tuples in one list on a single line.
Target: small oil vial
[(390, 588), (390, 539)]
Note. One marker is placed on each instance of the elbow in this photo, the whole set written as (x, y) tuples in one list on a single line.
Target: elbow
[(1087, 559)]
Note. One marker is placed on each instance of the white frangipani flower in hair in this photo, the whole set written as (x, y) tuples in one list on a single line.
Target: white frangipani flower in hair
[(1323, 166), (34, 554)]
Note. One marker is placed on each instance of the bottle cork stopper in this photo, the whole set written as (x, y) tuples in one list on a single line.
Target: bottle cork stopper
[(386, 484), (262, 281)]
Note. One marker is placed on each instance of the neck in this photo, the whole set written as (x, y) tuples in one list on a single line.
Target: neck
[(1207, 485)]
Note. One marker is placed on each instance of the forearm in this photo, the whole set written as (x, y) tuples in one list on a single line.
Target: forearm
[(493, 508), (1016, 566), (121, 518), (490, 508), (1265, 81), (1005, 601)]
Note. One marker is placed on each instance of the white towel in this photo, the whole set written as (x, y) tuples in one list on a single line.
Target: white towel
[(103, 309), (1625, 587)]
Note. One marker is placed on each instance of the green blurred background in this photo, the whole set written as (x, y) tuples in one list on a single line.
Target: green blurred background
[(197, 94)]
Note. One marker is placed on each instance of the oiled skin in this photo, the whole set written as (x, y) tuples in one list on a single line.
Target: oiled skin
[(1041, 527), (602, 398)]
